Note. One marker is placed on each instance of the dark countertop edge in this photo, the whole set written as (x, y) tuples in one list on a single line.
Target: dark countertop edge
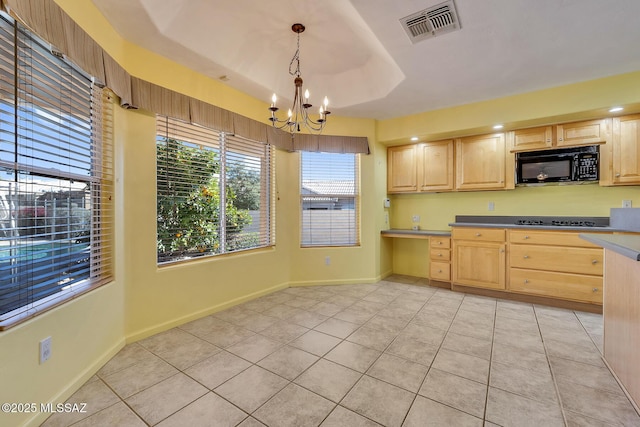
[(536, 227), (624, 244), (416, 232)]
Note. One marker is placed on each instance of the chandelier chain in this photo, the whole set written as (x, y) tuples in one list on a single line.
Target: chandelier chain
[(296, 59)]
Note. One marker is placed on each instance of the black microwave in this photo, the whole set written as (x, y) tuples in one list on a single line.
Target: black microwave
[(563, 165)]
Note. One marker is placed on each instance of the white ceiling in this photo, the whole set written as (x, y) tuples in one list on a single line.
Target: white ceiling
[(357, 53)]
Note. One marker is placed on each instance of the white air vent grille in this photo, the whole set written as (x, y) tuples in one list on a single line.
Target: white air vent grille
[(436, 20)]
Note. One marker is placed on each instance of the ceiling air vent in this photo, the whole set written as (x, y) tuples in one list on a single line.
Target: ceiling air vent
[(439, 19)]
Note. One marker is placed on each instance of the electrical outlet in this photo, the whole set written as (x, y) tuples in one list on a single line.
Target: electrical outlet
[(626, 203), (415, 218), (491, 206), (45, 349), (327, 260)]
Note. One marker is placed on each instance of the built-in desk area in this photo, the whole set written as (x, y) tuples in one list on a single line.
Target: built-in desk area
[(439, 272)]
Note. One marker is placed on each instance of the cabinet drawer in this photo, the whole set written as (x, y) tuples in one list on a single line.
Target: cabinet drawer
[(480, 234), (552, 238), (437, 254), (440, 271), (557, 258), (576, 287), (440, 242)]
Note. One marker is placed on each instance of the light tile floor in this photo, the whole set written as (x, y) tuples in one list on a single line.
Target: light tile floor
[(392, 353)]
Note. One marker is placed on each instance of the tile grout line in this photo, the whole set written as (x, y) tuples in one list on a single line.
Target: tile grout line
[(553, 377)]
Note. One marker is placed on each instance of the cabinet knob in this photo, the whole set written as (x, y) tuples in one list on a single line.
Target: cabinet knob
[(560, 139), (501, 251), (548, 140), (595, 261), (526, 257), (617, 175), (478, 234), (526, 281), (440, 243), (595, 289), (440, 254), (439, 271), (526, 237)]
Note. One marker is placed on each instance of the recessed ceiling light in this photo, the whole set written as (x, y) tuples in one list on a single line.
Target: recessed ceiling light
[(498, 126), (616, 109), (414, 138)]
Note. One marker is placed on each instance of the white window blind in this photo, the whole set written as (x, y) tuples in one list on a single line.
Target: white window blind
[(329, 199), (214, 191), (55, 177)]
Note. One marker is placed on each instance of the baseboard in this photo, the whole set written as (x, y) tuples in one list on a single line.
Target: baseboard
[(147, 332), (77, 382), (334, 282)]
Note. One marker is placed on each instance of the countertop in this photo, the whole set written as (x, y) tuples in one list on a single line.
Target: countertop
[(624, 244), (604, 229), (495, 221), (399, 232)]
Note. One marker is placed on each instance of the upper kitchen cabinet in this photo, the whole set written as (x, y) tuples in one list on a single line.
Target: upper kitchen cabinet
[(531, 138), (583, 133), (435, 166), (625, 150), (420, 167), (482, 163), (559, 136), (402, 174)]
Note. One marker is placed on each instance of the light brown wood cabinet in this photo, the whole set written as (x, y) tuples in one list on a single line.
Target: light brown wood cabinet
[(402, 169), (559, 136), (440, 259), (479, 257), (481, 163), (424, 167), (625, 150), (435, 166), (555, 264)]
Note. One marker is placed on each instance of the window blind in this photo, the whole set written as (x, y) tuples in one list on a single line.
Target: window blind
[(55, 177), (329, 199), (214, 191)]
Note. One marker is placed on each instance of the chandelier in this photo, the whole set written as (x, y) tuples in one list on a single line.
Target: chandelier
[(298, 115)]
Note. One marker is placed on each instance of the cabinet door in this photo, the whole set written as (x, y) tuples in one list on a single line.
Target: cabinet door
[(626, 150), (435, 167), (480, 264), (480, 162), (401, 169), (531, 139), (582, 133)]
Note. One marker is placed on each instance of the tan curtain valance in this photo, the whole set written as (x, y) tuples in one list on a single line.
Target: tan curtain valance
[(49, 21), (208, 115)]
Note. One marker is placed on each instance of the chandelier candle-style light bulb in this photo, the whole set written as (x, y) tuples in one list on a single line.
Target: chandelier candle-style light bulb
[(298, 116)]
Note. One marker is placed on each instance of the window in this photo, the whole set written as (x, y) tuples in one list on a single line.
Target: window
[(214, 191), (329, 199), (55, 178)]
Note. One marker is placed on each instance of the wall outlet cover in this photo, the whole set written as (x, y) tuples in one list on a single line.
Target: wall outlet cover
[(45, 349), (626, 203)]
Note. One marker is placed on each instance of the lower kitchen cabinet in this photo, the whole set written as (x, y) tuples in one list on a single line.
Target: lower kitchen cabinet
[(479, 257), (440, 259), (555, 264)]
